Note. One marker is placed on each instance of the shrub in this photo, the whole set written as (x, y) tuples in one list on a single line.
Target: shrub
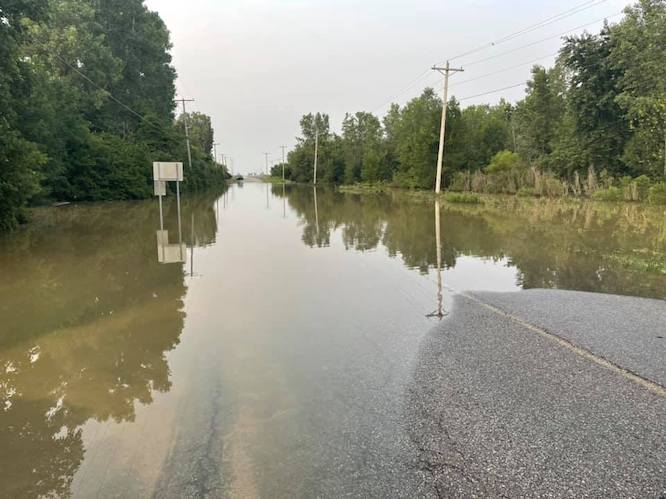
[(657, 193), (462, 197), (611, 194), (504, 161)]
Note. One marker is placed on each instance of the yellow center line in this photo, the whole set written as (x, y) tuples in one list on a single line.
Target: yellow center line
[(649, 385)]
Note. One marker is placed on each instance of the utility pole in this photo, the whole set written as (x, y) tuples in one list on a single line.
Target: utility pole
[(316, 154), (266, 154), (446, 71), (283, 148), (187, 130)]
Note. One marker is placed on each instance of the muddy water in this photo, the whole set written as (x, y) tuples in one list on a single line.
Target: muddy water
[(265, 351)]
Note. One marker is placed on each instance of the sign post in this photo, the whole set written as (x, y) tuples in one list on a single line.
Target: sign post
[(164, 172)]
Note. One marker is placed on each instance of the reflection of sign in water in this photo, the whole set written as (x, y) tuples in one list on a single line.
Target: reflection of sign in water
[(169, 253)]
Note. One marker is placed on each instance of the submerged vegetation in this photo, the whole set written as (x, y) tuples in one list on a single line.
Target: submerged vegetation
[(87, 103), (553, 243), (594, 125)]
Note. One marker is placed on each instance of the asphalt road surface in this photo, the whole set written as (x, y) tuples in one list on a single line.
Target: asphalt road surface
[(542, 394)]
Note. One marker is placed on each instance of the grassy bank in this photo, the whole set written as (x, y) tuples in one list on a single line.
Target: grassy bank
[(274, 180), (474, 188)]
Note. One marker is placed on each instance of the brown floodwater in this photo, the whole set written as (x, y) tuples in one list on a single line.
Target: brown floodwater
[(263, 352)]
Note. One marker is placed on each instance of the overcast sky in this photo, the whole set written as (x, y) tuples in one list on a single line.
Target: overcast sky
[(256, 66)]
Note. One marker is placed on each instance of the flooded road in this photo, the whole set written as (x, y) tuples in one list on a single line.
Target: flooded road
[(269, 356)]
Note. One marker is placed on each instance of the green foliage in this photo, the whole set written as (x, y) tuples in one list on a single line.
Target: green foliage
[(592, 97), (62, 135), (504, 161), (657, 194), (200, 129), (462, 197), (20, 159), (417, 141), (539, 114), (637, 55)]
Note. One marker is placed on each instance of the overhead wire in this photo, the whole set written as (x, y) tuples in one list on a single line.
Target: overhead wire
[(511, 36), (109, 94), (553, 19), (493, 91), (503, 70), (531, 44), (401, 92)]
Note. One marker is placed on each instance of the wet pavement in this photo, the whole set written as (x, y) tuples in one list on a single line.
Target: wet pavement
[(501, 410)]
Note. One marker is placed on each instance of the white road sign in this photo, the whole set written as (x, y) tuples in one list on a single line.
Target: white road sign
[(170, 172)]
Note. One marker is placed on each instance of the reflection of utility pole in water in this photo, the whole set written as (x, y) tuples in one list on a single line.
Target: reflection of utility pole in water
[(283, 148), (439, 313), (192, 247), (316, 212), (180, 232), (284, 202), (267, 200)]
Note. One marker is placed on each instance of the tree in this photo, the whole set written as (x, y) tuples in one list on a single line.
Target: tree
[(200, 130), (592, 94), (362, 136), (539, 114), (20, 158), (636, 56), (417, 141)]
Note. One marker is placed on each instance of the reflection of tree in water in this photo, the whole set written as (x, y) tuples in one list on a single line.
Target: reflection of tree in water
[(88, 316), (553, 243)]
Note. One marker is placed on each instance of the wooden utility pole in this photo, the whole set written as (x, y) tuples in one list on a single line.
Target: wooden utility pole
[(266, 154), (446, 71), (187, 130)]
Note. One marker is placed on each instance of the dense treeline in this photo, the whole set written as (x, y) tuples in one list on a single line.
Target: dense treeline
[(596, 121), (87, 103)]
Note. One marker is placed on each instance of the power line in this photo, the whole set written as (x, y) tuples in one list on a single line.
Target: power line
[(506, 69), (553, 19), (125, 106), (531, 44), (493, 91), (410, 85), (109, 94)]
